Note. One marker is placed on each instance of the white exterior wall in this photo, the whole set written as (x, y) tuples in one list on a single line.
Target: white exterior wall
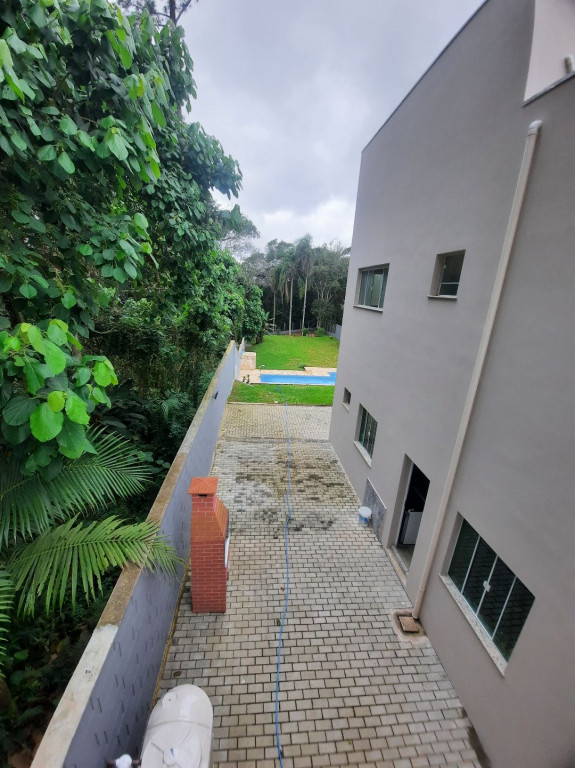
[(440, 177)]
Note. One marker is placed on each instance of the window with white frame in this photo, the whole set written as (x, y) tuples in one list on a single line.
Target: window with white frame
[(367, 430), (371, 287), (497, 597), (447, 274)]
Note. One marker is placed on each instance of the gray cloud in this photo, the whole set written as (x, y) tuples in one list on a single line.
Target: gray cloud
[(294, 91)]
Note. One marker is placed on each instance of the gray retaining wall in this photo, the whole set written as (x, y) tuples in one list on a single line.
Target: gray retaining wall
[(335, 332), (104, 710)]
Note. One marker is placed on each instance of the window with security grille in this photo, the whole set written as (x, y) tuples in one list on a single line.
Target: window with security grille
[(498, 598), (367, 430), (371, 288)]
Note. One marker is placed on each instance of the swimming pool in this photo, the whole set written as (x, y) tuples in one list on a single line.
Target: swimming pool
[(275, 378)]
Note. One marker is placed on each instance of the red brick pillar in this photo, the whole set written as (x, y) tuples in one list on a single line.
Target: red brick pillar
[(209, 572)]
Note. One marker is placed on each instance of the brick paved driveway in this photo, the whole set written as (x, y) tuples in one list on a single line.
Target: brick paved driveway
[(352, 691)]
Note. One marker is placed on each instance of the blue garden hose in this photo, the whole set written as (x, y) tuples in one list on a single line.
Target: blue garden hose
[(280, 756)]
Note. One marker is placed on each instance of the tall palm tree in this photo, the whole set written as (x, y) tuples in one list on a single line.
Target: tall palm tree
[(305, 264), (46, 551), (288, 272)]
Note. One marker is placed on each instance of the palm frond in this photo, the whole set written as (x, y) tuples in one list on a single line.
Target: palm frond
[(171, 404), (25, 505), (60, 559), (6, 604), (95, 480), (30, 504)]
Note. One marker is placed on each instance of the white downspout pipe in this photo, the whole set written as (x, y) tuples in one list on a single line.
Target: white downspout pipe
[(508, 243)]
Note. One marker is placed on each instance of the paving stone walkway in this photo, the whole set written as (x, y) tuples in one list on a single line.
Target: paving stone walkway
[(352, 691)]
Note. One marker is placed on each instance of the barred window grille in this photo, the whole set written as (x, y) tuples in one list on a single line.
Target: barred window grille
[(367, 430), (498, 598)]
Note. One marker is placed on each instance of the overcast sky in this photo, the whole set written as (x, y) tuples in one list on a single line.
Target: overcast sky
[(295, 90)]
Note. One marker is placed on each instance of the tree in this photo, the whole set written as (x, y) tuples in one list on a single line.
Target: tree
[(238, 232), (285, 256), (329, 282), (253, 318), (172, 10), (274, 280), (105, 191), (305, 262)]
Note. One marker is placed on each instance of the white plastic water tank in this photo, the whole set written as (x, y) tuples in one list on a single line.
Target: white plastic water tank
[(179, 732)]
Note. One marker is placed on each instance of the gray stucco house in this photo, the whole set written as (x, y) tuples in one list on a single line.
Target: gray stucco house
[(454, 409)]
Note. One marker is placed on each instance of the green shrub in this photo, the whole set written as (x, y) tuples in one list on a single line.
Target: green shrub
[(320, 332), (305, 332)]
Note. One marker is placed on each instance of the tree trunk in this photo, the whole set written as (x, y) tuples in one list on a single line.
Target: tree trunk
[(172, 9), (290, 304), (304, 301), (274, 320)]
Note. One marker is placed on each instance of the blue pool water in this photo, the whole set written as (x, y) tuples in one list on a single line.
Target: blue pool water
[(273, 378)]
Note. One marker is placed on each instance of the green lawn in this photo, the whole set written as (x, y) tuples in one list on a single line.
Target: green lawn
[(292, 353), (276, 393)]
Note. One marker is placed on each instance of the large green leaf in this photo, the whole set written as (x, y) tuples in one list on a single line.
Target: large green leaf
[(5, 55), (71, 440), (54, 357), (83, 376), (37, 14), (34, 377), (68, 300), (45, 423), (158, 115), (117, 146), (28, 291), (102, 374), (56, 334), (15, 435), (47, 152), (68, 126), (36, 339), (66, 162), (56, 400), (76, 409), (19, 409)]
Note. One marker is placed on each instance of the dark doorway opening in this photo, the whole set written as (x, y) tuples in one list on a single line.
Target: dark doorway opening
[(413, 506)]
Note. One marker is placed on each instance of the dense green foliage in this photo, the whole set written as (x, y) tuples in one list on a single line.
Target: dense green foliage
[(273, 393), (111, 269), (281, 353)]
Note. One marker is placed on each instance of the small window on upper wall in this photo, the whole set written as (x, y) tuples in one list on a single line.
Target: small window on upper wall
[(346, 398), (447, 274), (371, 287)]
